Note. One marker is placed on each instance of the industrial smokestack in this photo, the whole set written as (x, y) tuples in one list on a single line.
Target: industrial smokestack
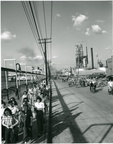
[(87, 54), (92, 58)]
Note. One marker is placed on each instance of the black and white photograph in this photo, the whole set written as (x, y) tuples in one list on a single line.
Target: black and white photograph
[(56, 71)]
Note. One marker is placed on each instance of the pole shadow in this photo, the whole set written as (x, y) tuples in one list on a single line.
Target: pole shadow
[(67, 120)]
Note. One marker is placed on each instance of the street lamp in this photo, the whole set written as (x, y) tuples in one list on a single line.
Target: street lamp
[(19, 68)]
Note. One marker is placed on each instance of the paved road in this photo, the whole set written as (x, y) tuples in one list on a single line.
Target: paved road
[(79, 116)]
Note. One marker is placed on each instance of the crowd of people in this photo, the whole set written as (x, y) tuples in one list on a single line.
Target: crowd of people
[(93, 82), (18, 117), (80, 81)]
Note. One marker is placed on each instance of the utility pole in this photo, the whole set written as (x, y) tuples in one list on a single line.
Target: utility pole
[(45, 41), (48, 74)]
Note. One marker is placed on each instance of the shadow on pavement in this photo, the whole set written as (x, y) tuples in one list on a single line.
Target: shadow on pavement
[(61, 115), (35, 138), (67, 120), (68, 94), (101, 124), (64, 88), (55, 98)]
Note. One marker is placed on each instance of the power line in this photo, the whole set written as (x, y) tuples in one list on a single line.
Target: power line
[(44, 18), (36, 11), (28, 13), (32, 17), (51, 19), (51, 29), (37, 22)]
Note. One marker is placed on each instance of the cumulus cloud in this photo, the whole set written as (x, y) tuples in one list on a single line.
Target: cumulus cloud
[(87, 32), (95, 29), (58, 15), (29, 56), (79, 20), (28, 52), (104, 31), (6, 35)]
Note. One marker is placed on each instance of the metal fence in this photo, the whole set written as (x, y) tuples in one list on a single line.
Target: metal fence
[(13, 82)]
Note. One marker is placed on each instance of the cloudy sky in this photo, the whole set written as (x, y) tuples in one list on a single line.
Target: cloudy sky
[(73, 22)]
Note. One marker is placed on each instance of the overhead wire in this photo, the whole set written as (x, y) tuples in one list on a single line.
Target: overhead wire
[(44, 19), (31, 11), (36, 13), (29, 17), (34, 19), (51, 30), (30, 20), (37, 23), (51, 19)]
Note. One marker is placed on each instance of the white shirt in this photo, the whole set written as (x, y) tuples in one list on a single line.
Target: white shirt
[(110, 83), (39, 105), (14, 109), (93, 81), (24, 96), (30, 91)]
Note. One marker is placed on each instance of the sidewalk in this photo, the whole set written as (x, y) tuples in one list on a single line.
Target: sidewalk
[(64, 126), (35, 139), (77, 120)]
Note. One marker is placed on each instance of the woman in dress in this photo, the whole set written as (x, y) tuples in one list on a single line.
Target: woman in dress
[(39, 108)]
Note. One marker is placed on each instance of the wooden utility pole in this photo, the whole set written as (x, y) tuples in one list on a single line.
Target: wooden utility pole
[(45, 41)]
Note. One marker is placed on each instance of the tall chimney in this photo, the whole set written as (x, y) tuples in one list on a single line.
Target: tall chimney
[(87, 54), (92, 58)]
